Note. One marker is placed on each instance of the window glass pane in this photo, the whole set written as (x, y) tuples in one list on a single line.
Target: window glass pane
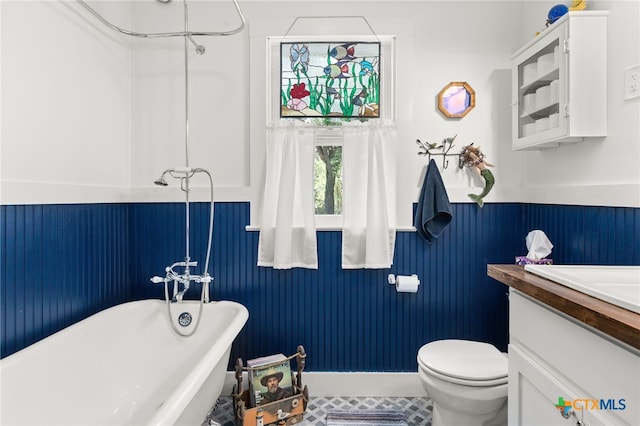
[(322, 79), (328, 179)]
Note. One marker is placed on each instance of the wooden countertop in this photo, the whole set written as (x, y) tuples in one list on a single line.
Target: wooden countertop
[(613, 320)]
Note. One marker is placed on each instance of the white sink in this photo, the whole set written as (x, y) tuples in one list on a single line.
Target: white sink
[(619, 285)]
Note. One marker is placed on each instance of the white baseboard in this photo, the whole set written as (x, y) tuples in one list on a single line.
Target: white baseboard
[(355, 384)]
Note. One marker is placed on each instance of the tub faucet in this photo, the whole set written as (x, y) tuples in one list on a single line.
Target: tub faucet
[(177, 279), (185, 279), (179, 295)]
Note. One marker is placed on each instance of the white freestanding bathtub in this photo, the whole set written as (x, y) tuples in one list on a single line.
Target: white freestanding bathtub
[(123, 366)]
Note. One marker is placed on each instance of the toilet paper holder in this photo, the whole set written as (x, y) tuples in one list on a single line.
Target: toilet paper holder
[(404, 284), (391, 279)]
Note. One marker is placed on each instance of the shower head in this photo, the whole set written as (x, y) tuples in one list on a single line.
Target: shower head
[(161, 181), (177, 173)]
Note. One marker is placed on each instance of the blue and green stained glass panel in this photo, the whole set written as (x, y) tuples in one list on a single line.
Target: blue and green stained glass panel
[(330, 79)]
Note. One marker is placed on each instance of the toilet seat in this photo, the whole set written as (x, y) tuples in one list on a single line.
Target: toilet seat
[(464, 362)]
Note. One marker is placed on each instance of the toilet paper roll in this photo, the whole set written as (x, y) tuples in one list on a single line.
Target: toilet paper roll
[(407, 284), (528, 129), (545, 64), (543, 96), (542, 124), (529, 73), (529, 101), (554, 94)]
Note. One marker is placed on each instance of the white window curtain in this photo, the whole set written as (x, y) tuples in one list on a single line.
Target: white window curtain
[(287, 228), (369, 203)]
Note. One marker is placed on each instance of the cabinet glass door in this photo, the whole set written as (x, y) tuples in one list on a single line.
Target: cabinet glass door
[(538, 93), (539, 75)]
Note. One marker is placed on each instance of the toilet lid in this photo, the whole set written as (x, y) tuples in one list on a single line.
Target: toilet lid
[(464, 359)]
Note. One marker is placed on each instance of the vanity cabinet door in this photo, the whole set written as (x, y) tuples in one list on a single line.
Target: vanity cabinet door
[(534, 394), (553, 356)]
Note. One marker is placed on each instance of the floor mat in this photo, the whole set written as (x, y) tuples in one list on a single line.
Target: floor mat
[(368, 417)]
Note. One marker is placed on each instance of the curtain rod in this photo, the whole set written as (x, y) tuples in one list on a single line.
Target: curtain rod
[(187, 34)]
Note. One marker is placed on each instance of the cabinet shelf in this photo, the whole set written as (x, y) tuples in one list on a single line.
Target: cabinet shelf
[(534, 85), (543, 111), (559, 83)]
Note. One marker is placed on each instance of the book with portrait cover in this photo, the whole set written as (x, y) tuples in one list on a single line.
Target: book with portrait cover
[(269, 379)]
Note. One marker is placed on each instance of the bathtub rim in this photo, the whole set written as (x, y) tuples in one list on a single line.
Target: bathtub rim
[(7, 360)]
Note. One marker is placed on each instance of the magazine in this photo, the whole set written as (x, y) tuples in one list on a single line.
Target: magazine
[(269, 379)]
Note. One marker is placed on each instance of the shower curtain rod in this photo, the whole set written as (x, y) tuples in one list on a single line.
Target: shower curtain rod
[(295, 21), (187, 34)]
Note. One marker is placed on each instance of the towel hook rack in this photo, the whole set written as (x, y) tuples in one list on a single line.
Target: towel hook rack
[(432, 149)]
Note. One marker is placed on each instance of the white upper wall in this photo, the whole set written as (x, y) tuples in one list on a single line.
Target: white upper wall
[(602, 171), (65, 105), (436, 43), (89, 115), (218, 112)]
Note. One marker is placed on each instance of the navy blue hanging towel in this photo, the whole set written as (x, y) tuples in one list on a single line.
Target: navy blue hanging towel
[(434, 210)]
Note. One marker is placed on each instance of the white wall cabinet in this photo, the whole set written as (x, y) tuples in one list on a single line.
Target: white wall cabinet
[(559, 83), (553, 356)]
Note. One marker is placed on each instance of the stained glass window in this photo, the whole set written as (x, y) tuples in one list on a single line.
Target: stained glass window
[(330, 79)]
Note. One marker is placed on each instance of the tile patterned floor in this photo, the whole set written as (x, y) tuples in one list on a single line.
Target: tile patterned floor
[(418, 410)]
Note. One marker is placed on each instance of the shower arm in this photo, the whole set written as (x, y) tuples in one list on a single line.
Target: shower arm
[(187, 34)]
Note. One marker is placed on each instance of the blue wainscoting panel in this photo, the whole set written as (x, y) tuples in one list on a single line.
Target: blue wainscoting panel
[(588, 235), (348, 320), (60, 264)]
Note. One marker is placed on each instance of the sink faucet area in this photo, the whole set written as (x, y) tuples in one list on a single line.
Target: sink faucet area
[(618, 285)]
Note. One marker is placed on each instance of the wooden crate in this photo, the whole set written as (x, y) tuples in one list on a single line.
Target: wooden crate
[(285, 412)]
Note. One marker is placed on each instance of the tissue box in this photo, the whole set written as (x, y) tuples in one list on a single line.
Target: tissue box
[(524, 260)]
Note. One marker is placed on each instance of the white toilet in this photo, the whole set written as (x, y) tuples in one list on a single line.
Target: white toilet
[(467, 382)]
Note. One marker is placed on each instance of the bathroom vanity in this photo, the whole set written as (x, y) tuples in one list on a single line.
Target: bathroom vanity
[(568, 347)]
